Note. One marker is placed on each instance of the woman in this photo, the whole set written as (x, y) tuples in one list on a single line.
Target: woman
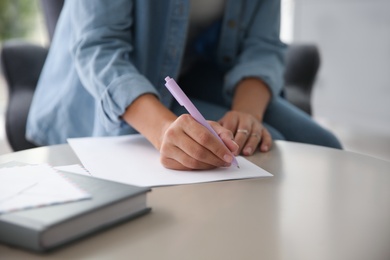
[(105, 72)]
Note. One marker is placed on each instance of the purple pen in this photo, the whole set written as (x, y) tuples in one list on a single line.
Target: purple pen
[(183, 100)]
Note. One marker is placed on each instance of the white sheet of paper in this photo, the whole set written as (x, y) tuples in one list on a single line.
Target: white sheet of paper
[(45, 187), (10, 187), (73, 168), (133, 160)]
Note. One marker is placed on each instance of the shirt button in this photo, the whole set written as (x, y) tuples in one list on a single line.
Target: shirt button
[(231, 24)]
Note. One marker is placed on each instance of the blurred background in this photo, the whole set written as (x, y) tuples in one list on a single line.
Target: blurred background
[(19, 19), (351, 95)]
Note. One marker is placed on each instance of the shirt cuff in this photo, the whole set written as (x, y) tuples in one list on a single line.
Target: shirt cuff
[(119, 95), (272, 76)]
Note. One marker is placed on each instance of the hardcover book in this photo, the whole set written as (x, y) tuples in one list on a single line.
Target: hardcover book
[(42, 229)]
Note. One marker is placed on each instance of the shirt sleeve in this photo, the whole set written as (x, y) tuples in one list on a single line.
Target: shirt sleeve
[(261, 52), (102, 51)]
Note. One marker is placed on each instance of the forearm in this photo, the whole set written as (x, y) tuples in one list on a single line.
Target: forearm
[(149, 117), (252, 97)]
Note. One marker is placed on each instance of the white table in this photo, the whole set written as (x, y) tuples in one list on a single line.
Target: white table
[(321, 204)]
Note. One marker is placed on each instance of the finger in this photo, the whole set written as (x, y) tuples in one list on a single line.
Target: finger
[(172, 157), (199, 154), (266, 141), (251, 144), (225, 135), (242, 134), (230, 121), (178, 144), (172, 164), (254, 138), (206, 147)]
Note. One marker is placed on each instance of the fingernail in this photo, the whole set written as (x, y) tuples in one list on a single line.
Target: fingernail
[(265, 148), (228, 158), (248, 150)]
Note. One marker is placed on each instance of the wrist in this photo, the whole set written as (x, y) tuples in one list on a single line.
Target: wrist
[(252, 97), (150, 118)]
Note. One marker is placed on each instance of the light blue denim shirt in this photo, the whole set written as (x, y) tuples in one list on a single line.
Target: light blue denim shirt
[(105, 54)]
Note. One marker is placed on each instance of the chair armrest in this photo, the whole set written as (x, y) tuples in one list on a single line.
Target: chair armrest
[(21, 64), (302, 64)]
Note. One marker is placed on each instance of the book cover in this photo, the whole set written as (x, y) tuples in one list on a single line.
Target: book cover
[(42, 229)]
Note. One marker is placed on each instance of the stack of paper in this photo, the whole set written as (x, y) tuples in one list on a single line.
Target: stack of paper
[(30, 186)]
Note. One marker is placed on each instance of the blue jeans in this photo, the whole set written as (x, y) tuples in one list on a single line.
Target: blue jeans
[(283, 120)]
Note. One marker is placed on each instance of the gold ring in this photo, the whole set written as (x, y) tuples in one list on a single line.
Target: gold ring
[(255, 135), (244, 131)]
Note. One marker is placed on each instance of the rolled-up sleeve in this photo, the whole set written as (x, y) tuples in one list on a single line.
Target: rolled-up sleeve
[(261, 53), (102, 51)]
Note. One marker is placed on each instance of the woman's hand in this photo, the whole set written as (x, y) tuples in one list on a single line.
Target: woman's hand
[(184, 144), (245, 119), (188, 145), (249, 133)]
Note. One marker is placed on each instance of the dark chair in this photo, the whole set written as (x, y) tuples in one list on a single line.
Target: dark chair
[(22, 63), (302, 64)]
